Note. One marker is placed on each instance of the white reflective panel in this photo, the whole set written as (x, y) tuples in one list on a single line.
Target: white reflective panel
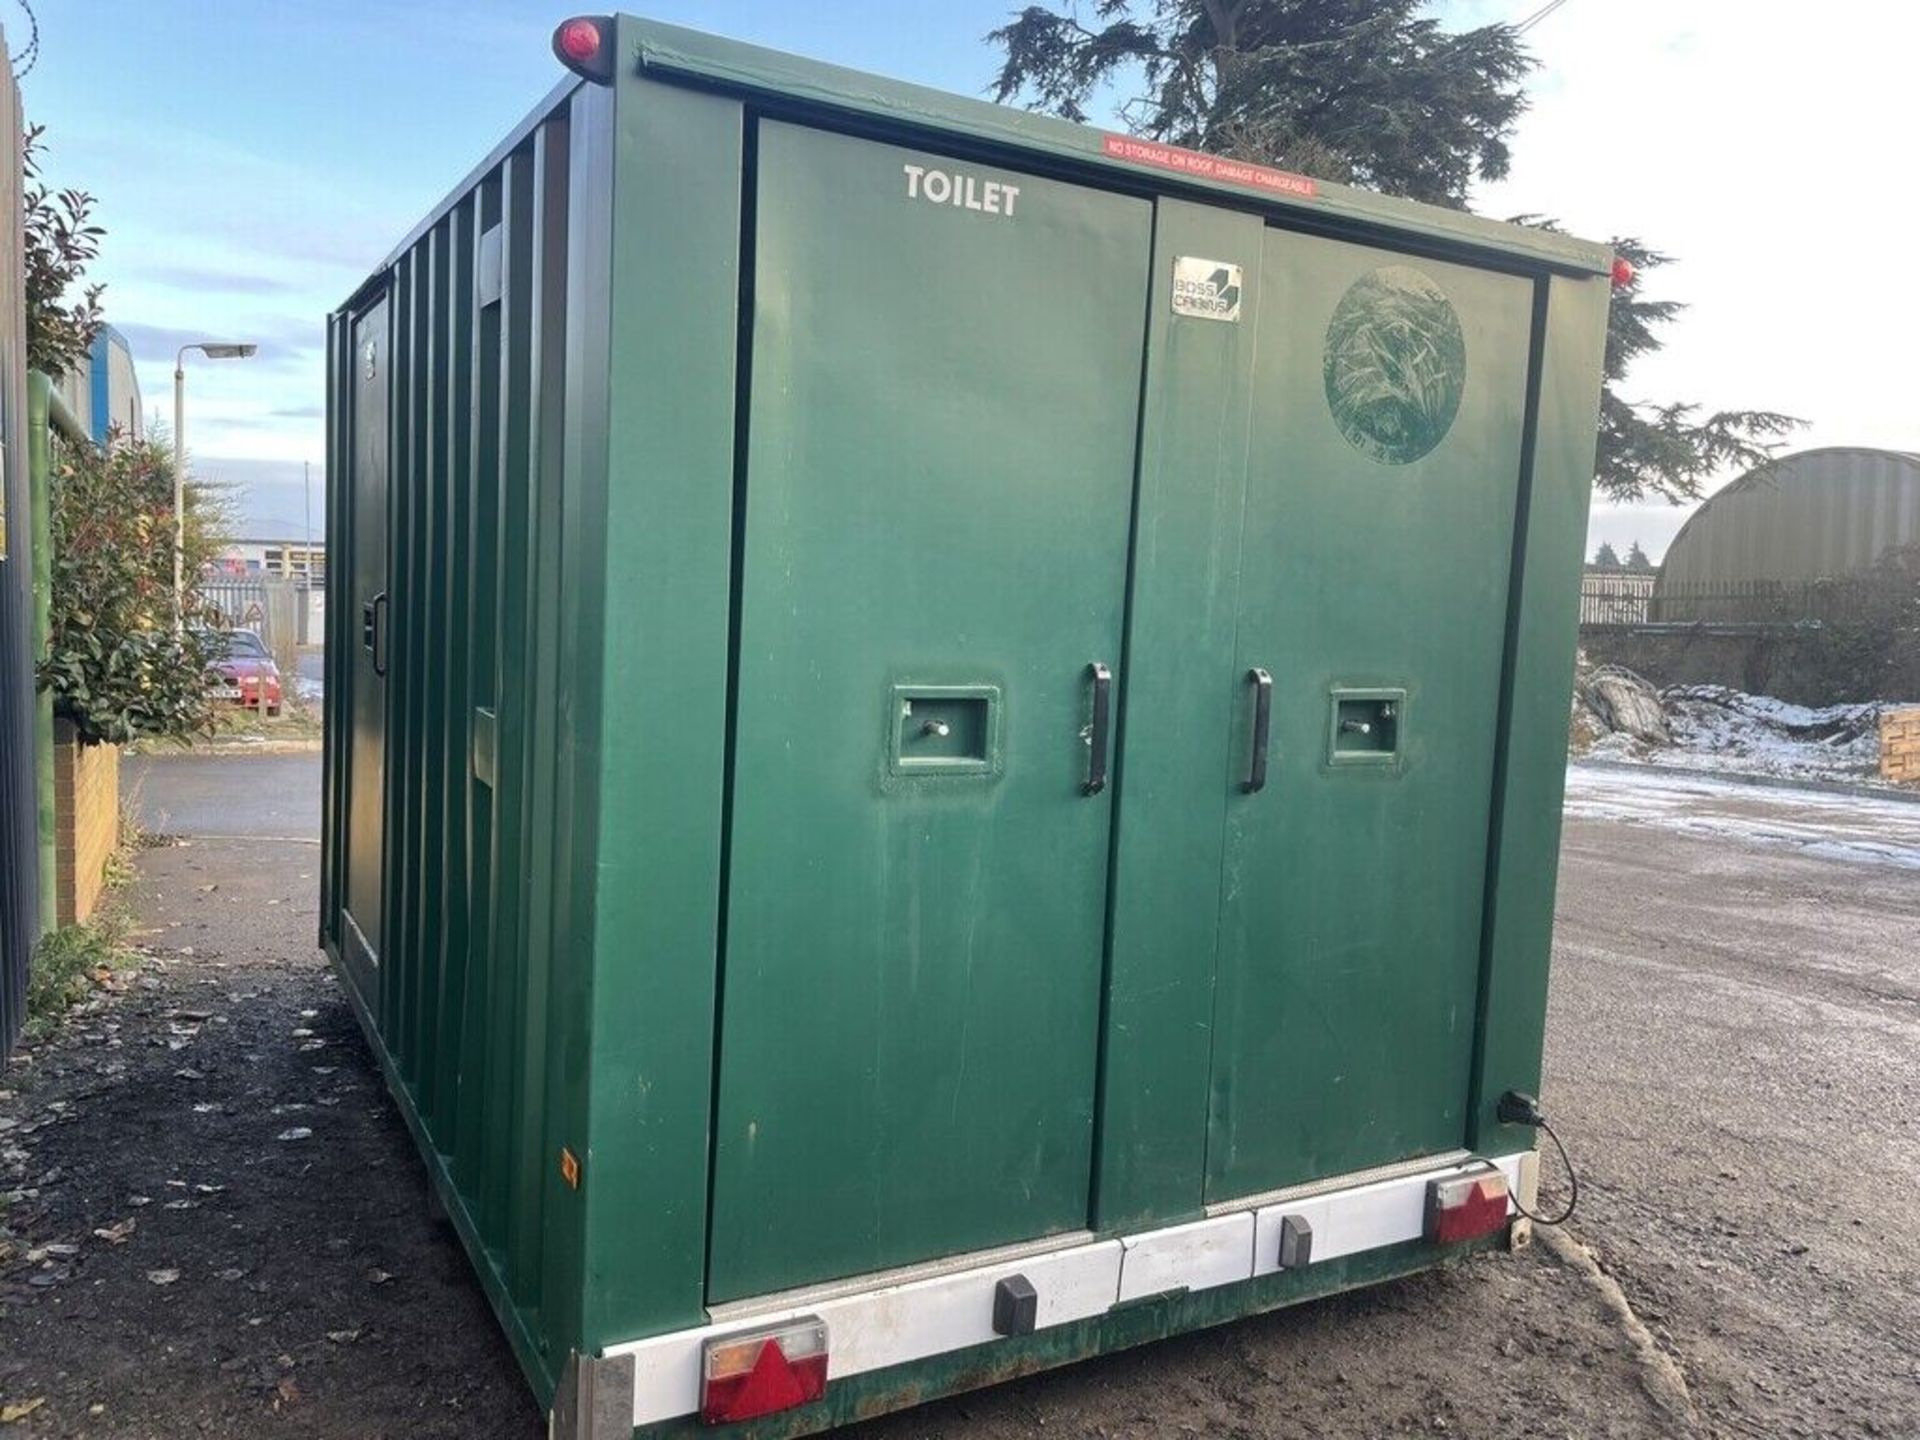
[(1188, 1257)]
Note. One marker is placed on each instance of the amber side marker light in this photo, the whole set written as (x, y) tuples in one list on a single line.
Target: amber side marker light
[(584, 45)]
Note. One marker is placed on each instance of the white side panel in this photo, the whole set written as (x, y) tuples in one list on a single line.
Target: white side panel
[(1188, 1257)]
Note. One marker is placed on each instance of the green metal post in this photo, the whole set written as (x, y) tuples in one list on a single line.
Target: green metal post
[(40, 542)]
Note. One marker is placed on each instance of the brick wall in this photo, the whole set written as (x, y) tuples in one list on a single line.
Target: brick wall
[(86, 801), (1900, 745)]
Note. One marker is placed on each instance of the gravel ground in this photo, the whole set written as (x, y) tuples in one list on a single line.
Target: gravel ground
[(1732, 1046), (1731, 1056)]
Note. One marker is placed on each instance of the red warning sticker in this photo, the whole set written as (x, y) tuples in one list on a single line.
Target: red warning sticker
[(1207, 167)]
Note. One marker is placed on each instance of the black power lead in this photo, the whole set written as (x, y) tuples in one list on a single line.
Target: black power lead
[(1516, 1107)]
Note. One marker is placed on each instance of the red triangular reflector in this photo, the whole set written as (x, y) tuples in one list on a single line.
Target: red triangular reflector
[(770, 1386)]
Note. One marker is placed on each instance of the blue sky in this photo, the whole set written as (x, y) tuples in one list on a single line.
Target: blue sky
[(254, 158)]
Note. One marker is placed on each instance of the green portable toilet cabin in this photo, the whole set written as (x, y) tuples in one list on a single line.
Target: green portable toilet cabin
[(945, 731)]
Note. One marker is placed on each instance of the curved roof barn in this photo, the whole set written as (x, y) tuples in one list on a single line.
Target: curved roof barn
[(1817, 515)]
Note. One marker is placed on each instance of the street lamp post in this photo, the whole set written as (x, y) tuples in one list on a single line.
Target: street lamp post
[(213, 350)]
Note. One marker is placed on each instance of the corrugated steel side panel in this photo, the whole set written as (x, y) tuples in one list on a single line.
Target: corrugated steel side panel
[(19, 841), (468, 967), (1819, 515)]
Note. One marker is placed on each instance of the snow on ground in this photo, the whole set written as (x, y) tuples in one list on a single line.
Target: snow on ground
[(1856, 829), (1715, 728)]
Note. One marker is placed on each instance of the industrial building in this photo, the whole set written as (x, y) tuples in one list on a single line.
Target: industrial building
[(104, 394), (1788, 525)]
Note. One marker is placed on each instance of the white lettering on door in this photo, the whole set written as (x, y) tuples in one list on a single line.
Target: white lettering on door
[(967, 192)]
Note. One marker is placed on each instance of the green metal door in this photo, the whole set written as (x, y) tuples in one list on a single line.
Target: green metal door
[(1389, 399), (943, 395), (367, 747)]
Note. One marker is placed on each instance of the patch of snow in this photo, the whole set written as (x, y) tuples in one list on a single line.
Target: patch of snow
[(1616, 715), (1715, 728), (1850, 829)]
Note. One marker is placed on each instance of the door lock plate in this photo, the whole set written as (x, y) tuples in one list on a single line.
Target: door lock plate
[(1365, 726), (943, 730)]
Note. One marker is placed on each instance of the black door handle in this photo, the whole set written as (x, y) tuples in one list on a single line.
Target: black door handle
[(1102, 679), (1262, 727), (376, 632)]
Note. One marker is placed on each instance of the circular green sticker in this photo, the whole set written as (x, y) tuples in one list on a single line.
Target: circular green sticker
[(1395, 364)]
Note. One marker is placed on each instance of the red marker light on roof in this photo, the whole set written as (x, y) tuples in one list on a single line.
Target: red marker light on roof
[(578, 41), (584, 45), (762, 1372), (1623, 272)]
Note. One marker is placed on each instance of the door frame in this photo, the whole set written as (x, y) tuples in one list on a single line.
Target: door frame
[(359, 952)]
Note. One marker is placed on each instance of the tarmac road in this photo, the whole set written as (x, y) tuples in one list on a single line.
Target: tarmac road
[(226, 795), (1734, 1027)]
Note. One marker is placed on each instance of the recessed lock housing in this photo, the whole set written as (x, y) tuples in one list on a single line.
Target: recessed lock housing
[(944, 730), (1364, 726)]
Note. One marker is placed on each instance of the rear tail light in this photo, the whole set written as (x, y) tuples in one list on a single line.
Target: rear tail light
[(761, 1372), (1466, 1206)]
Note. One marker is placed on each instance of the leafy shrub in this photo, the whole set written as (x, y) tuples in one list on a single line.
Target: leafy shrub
[(118, 665), (1868, 647), (60, 240), (71, 964)]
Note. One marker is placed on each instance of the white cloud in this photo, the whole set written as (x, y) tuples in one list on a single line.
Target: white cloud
[(1768, 148)]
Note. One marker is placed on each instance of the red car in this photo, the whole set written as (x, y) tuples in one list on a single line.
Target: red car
[(244, 673)]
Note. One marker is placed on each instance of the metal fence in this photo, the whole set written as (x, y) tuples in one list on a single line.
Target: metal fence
[(1635, 598), (1615, 597), (284, 613), (20, 917), (1771, 602)]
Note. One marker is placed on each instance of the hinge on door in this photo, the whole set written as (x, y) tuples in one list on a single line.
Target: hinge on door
[(594, 1399)]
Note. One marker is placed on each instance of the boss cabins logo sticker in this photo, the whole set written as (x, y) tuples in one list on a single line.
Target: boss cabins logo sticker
[(1209, 289)]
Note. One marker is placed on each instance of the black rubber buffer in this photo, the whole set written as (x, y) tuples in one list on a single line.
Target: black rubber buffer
[(1016, 1306), (1296, 1242)]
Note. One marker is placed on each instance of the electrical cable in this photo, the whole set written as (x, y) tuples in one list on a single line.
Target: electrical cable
[(1517, 1107), (1534, 19), (1573, 1183)]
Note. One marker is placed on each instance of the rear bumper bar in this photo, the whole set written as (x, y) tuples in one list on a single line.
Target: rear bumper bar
[(878, 1321)]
